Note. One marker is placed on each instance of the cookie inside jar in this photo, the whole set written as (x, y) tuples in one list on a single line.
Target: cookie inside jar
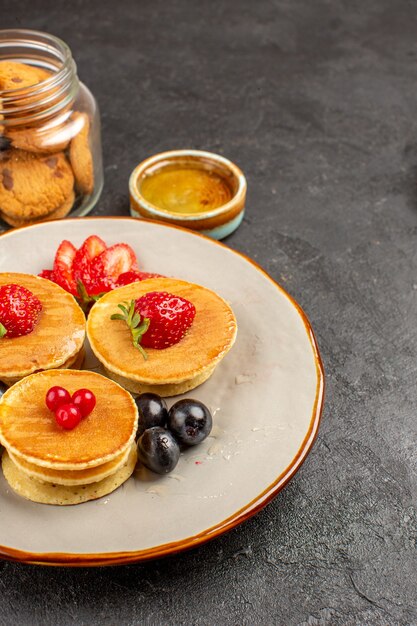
[(50, 150)]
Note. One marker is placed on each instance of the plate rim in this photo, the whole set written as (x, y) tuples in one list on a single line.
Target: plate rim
[(237, 518)]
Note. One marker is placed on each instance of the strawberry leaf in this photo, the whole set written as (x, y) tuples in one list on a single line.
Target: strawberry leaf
[(137, 325), (124, 310), (81, 290), (84, 300), (131, 314), (142, 351), (3, 330)]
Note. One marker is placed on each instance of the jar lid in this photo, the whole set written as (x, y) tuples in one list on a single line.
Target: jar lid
[(195, 189)]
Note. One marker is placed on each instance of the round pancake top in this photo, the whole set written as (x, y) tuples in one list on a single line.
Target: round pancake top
[(210, 336), (58, 335), (28, 428)]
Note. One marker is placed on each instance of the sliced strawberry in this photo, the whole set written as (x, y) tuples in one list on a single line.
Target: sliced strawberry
[(49, 274), (98, 283), (146, 275), (133, 277), (63, 267), (107, 266), (91, 248)]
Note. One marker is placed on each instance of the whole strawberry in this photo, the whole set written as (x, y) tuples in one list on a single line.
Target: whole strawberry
[(19, 311), (169, 318), (157, 320)]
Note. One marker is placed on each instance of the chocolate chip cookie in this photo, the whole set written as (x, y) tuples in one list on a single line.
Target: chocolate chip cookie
[(33, 186), (15, 75)]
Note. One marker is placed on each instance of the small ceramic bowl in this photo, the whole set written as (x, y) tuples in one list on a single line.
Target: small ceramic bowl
[(215, 222)]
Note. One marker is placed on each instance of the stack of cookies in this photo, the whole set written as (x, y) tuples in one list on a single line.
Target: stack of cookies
[(45, 463), (45, 164)]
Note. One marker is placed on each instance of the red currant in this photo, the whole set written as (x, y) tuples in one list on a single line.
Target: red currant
[(84, 400), (56, 396), (68, 416)]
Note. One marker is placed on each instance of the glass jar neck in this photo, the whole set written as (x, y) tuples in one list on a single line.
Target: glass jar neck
[(57, 88)]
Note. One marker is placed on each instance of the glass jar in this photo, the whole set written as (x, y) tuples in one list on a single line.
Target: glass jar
[(50, 146)]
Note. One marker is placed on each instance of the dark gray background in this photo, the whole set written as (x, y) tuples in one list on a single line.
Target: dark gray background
[(317, 102)]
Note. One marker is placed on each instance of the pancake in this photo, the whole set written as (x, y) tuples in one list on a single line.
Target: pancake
[(29, 430), (70, 478), (176, 369), (75, 362), (55, 341), (44, 493)]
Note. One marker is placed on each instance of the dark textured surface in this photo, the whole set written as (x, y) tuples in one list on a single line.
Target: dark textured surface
[(317, 102)]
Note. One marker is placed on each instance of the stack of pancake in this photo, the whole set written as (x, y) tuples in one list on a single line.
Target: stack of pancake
[(56, 341), (44, 463), (174, 370)]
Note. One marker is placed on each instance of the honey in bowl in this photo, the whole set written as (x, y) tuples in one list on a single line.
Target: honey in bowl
[(185, 189), (195, 189)]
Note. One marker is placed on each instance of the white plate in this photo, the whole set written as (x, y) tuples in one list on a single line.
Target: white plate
[(266, 397)]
